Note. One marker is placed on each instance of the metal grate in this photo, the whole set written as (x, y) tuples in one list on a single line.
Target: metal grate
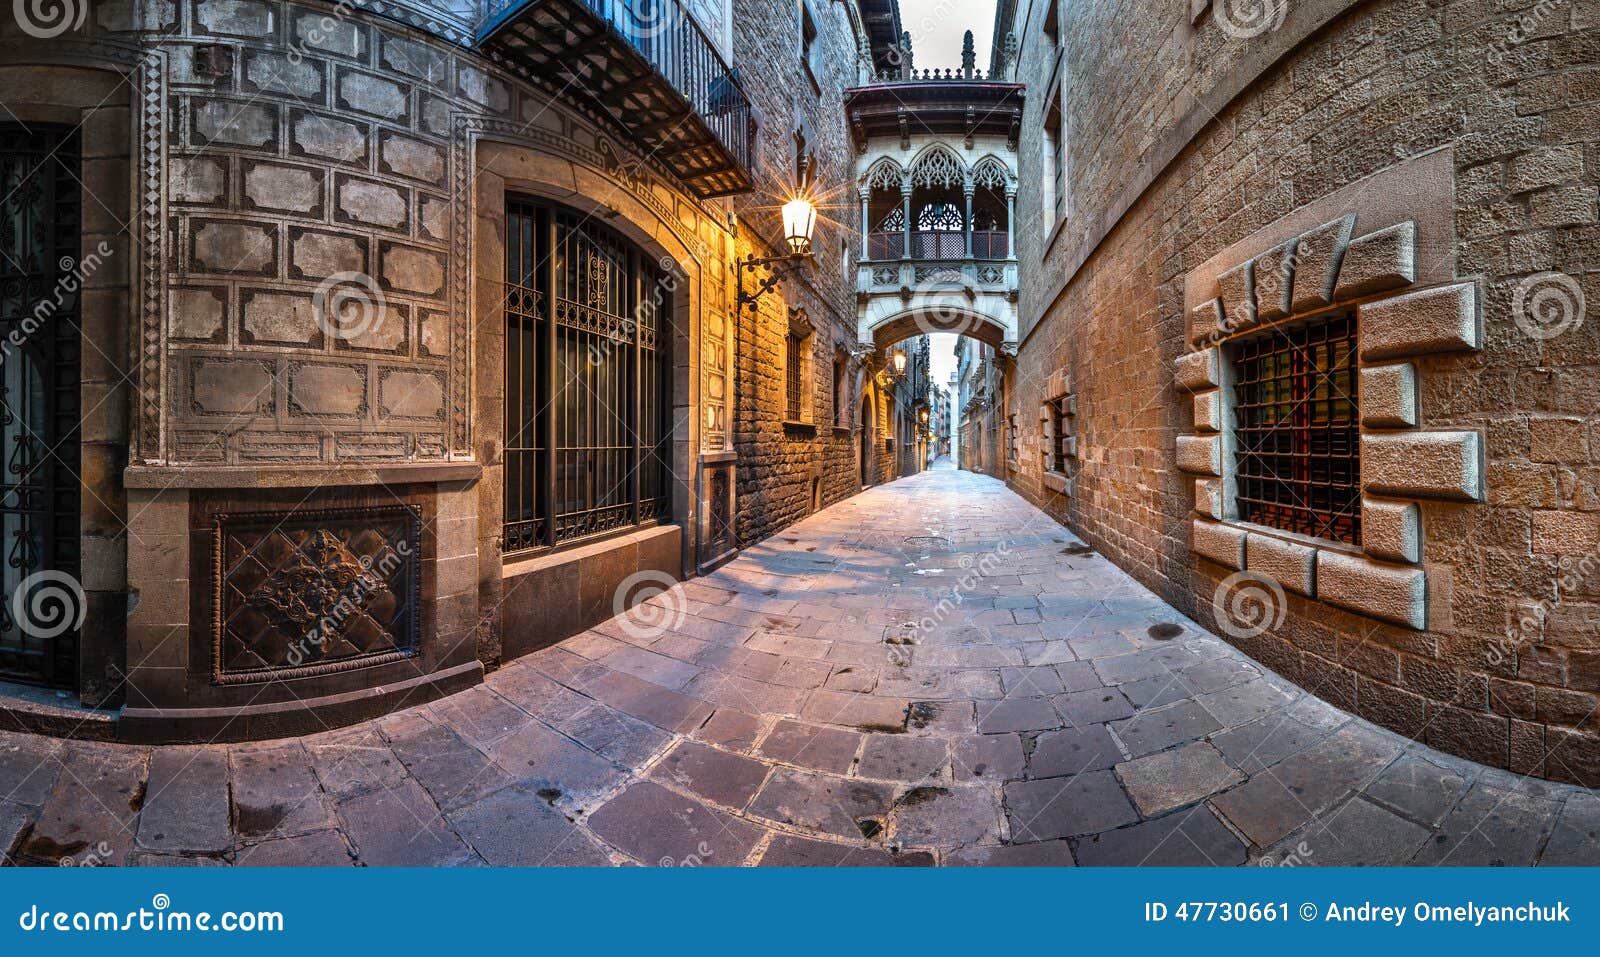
[(1299, 458), (39, 404), (1060, 435), (791, 374), (649, 66), (587, 442)]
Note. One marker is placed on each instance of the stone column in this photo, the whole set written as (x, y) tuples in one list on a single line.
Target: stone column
[(866, 226), (905, 206), (1011, 219), (967, 189)]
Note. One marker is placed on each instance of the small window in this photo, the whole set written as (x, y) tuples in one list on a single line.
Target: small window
[(792, 378), (1055, 167), (1060, 446), (1299, 431), (797, 368), (841, 397), (809, 48)]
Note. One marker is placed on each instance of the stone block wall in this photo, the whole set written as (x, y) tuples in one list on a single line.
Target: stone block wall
[(1460, 139), (787, 469), (312, 310)]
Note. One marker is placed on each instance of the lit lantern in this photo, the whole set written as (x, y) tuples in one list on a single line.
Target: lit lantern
[(799, 220)]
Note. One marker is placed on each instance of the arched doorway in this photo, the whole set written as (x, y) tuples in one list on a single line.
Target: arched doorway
[(970, 390), (869, 431)]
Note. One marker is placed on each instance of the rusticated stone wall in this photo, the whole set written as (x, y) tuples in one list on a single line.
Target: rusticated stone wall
[(1449, 152)]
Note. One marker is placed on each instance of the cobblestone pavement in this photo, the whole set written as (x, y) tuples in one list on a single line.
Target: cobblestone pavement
[(930, 673)]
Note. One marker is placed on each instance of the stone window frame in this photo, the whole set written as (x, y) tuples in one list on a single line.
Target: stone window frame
[(1059, 453), (810, 34), (1399, 318), (1053, 189)]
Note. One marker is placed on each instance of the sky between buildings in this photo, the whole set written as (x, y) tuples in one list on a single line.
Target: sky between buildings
[(936, 27)]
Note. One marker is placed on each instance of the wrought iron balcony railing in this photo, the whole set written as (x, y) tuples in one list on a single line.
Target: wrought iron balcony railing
[(645, 63)]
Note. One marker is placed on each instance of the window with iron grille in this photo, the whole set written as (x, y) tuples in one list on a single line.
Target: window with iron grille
[(1298, 430), (841, 405), (792, 352), (1058, 440), (40, 240), (587, 443)]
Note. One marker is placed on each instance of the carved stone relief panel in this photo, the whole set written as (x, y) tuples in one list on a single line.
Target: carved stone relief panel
[(304, 593)]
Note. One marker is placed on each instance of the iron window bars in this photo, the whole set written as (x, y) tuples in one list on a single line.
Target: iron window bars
[(793, 343), (587, 439), (39, 402), (1298, 429)]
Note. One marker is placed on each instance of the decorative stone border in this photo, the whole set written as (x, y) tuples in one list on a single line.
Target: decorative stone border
[(1374, 274)]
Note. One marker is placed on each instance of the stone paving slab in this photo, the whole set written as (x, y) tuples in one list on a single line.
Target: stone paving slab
[(1032, 716), (186, 802)]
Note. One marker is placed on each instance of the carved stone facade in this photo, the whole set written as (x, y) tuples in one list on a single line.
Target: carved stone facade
[(1426, 172)]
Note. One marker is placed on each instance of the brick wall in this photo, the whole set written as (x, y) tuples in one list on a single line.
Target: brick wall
[(1337, 93)]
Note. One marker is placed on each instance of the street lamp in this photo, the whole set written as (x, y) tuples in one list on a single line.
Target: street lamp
[(899, 361), (799, 222)]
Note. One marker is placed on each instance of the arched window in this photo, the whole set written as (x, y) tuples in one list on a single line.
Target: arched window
[(885, 174), (990, 173), (940, 217), (938, 167), (587, 443)]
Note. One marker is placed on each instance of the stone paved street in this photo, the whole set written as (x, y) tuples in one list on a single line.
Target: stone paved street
[(931, 673)]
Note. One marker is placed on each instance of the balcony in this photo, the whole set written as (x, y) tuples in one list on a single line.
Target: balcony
[(644, 63), (938, 244)]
